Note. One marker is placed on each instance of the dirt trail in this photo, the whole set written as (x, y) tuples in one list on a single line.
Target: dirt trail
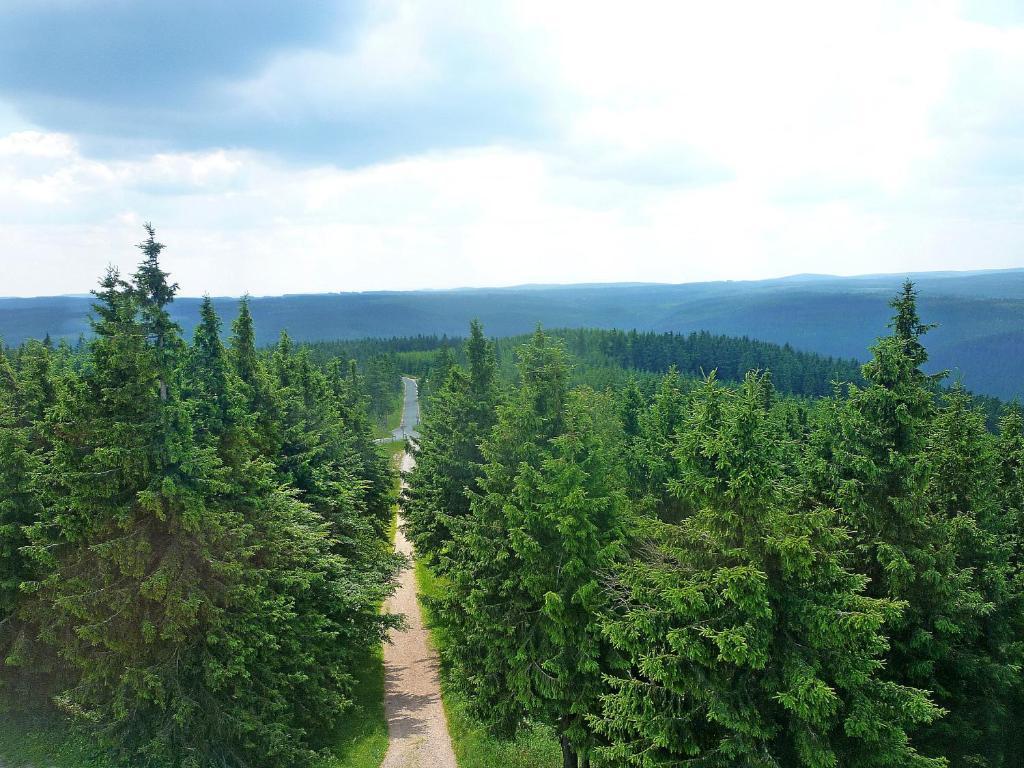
[(417, 727)]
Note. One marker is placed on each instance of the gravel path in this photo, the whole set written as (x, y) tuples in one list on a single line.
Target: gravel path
[(417, 727)]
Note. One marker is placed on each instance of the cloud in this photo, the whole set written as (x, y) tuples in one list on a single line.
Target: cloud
[(308, 80), (245, 221), (312, 146), (126, 54)]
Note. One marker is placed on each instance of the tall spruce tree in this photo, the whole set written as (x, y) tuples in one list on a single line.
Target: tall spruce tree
[(650, 461), (525, 600), (448, 457), (27, 391), (258, 397), (981, 670), (866, 461), (206, 615), (134, 558), (1010, 459), (750, 642)]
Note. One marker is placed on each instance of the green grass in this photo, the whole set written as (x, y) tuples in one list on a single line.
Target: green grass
[(46, 739), (394, 451), (391, 422), (362, 736), (475, 747)]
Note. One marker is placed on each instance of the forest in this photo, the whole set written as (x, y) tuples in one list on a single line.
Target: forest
[(654, 550), (979, 335), (724, 575), (194, 536)]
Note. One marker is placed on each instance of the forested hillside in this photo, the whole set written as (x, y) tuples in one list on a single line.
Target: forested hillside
[(609, 358), (643, 549), (194, 536), (980, 315), (721, 575)]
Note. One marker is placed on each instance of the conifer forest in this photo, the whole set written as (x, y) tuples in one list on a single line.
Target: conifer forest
[(646, 550)]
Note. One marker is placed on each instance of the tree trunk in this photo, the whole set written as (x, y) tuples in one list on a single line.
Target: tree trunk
[(585, 761), (569, 757)]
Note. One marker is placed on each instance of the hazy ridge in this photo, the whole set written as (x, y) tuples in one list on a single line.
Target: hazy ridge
[(980, 315)]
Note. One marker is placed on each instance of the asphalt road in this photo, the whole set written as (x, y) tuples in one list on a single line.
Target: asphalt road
[(410, 412)]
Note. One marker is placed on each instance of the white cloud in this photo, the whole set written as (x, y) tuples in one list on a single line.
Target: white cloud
[(684, 141)]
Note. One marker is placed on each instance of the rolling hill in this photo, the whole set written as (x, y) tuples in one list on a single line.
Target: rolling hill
[(980, 315)]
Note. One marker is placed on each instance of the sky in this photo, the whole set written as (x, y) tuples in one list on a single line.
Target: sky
[(316, 146)]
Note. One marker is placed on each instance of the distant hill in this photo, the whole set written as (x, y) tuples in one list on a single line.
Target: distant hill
[(980, 315)]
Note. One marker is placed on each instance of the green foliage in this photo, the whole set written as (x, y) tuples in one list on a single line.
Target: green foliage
[(750, 642), (808, 583), (525, 597), (476, 745), (448, 457), (915, 486), (981, 671), (206, 533)]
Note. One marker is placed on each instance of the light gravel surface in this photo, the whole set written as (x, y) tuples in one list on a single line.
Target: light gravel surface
[(417, 726)]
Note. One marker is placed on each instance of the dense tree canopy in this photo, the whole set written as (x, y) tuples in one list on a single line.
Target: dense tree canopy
[(667, 550), (192, 547), (674, 574)]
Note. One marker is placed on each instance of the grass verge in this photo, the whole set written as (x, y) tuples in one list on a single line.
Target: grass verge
[(362, 735), (391, 422), (534, 747), (45, 739)]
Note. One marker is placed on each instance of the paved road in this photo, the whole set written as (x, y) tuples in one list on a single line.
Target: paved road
[(417, 726), (410, 414)]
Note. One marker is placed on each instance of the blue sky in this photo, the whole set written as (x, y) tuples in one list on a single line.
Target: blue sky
[(317, 146)]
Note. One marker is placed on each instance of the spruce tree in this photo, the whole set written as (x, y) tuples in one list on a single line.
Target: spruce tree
[(258, 397), (865, 459), (25, 394), (133, 559), (1010, 469), (207, 376), (525, 599), (153, 293), (980, 672), (650, 461), (749, 640), (448, 457), (18, 504), (207, 616)]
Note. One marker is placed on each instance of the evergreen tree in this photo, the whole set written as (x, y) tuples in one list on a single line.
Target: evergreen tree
[(750, 641), (207, 375), (865, 460), (207, 616), (525, 599), (24, 396), (1010, 459), (650, 459), (979, 673), (134, 559), (258, 398), (152, 293), (437, 373), (369, 464), (448, 456)]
